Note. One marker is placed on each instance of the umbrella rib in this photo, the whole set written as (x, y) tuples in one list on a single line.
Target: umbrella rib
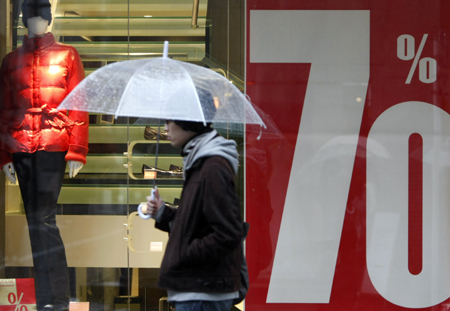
[(196, 95), (124, 92), (126, 88), (256, 108)]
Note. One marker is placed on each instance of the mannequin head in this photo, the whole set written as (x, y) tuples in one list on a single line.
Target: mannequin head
[(37, 26), (36, 8)]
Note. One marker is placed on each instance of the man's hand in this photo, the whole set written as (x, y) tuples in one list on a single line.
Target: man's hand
[(153, 204)]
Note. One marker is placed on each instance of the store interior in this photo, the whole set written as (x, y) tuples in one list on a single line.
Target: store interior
[(113, 255)]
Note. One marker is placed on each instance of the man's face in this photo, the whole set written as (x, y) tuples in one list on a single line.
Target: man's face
[(176, 135)]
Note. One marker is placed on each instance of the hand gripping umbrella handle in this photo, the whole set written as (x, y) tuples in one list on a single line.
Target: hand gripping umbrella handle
[(140, 212)]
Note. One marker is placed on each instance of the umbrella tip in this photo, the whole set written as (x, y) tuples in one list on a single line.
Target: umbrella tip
[(166, 49)]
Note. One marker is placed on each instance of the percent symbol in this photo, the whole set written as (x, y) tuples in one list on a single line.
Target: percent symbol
[(12, 300), (427, 65)]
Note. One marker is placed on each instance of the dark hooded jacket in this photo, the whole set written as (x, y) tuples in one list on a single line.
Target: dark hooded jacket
[(204, 251)]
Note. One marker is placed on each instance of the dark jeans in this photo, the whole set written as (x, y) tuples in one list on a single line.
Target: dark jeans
[(201, 305), (40, 176)]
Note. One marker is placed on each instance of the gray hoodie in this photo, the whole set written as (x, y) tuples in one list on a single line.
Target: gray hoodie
[(207, 145)]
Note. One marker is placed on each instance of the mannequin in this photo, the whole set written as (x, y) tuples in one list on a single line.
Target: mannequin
[(37, 27), (37, 141)]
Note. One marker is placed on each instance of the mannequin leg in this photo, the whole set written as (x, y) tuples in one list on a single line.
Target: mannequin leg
[(40, 176)]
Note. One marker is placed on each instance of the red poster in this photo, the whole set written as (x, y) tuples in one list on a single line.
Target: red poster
[(349, 202), (17, 295)]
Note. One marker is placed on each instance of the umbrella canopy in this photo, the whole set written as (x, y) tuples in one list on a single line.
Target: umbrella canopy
[(269, 131), (162, 88)]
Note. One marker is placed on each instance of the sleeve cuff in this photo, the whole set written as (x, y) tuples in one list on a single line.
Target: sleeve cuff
[(159, 213), (5, 158), (77, 153)]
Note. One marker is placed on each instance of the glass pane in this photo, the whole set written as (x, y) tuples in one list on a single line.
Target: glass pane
[(93, 206), (113, 256), (151, 24)]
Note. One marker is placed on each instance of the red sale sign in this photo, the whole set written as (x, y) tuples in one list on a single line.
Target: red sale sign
[(349, 205), (17, 295)]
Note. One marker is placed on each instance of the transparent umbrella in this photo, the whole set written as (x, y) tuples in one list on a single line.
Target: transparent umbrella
[(161, 88), (268, 131)]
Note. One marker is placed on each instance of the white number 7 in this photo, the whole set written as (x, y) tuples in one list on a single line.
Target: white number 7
[(336, 43)]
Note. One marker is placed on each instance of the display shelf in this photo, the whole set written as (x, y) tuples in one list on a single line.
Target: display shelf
[(120, 179), (113, 194), (109, 180), (115, 163), (117, 133), (117, 26), (118, 51), (111, 8)]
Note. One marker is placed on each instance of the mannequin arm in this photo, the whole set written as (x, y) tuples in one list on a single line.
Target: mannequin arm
[(74, 168), (10, 172)]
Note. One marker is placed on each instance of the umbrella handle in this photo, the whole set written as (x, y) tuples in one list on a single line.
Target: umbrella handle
[(140, 212)]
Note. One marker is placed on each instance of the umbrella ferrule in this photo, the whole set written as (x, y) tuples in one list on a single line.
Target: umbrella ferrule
[(166, 49)]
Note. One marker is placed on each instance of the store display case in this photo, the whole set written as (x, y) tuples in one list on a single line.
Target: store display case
[(111, 252)]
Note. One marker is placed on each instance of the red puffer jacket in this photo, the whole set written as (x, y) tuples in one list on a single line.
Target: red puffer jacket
[(34, 80)]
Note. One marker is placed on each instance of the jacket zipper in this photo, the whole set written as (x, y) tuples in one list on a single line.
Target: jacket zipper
[(35, 85)]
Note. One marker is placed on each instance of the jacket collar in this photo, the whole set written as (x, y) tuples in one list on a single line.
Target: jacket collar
[(38, 43)]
